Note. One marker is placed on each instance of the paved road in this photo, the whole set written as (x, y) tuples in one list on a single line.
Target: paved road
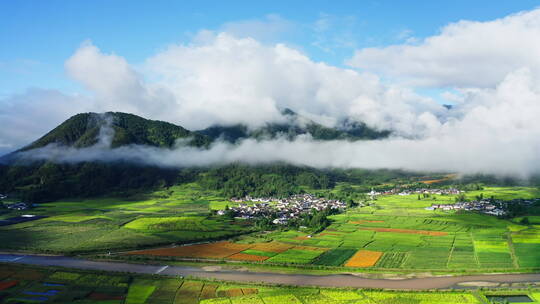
[(339, 280)]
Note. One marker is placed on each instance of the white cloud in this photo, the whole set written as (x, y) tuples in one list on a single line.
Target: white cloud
[(463, 54), (228, 80), (220, 78)]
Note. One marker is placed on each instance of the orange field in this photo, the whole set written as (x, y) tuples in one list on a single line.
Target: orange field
[(236, 292), (217, 250), (411, 231), (364, 258), (247, 257), (248, 291), (8, 284), (302, 238), (275, 247)]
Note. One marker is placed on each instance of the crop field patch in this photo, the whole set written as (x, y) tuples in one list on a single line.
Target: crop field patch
[(165, 292), (421, 297), (248, 257), (330, 234), (28, 274), (182, 223), (275, 247), (364, 258), (234, 292), (217, 250), (334, 257), (260, 252), (392, 260), (295, 256), (528, 255), (341, 295), (280, 299), (101, 280), (139, 291), (8, 284), (188, 293), (316, 299), (310, 248), (528, 236), (410, 231), (361, 222), (208, 291), (427, 258), (491, 246), (97, 296)]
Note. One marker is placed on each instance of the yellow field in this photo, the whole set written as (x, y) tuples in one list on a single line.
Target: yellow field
[(364, 258)]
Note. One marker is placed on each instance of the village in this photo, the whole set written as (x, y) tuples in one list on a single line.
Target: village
[(282, 209), (486, 206), (401, 192)]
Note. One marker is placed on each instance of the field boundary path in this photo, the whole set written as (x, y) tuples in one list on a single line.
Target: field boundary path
[(337, 280)]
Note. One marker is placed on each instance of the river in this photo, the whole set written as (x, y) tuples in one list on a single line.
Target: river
[(337, 280)]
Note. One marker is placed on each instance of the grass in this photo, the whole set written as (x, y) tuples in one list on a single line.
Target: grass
[(177, 215), (139, 291), (295, 256)]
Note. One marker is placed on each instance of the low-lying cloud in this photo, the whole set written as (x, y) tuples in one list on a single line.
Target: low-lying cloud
[(219, 78)]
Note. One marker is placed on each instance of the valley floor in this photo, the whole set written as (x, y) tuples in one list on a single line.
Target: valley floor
[(395, 233)]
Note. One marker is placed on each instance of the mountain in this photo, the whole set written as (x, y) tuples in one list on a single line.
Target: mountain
[(83, 130), (293, 126), (43, 180)]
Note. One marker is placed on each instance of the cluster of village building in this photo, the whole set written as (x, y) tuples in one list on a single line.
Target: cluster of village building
[(282, 209), (400, 191), (18, 206), (15, 206), (487, 206)]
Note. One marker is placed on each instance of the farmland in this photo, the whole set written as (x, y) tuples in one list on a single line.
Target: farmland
[(397, 233), (26, 284), (404, 235), (179, 214)]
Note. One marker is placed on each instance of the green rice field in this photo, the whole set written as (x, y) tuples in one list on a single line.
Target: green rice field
[(179, 214), (408, 237), (413, 238)]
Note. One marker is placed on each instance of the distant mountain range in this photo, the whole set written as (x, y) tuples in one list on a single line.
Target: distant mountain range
[(294, 126), (82, 130), (45, 180)]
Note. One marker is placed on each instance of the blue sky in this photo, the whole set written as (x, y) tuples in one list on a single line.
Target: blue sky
[(389, 64), (36, 37)]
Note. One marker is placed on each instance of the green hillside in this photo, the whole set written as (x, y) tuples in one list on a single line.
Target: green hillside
[(82, 130)]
